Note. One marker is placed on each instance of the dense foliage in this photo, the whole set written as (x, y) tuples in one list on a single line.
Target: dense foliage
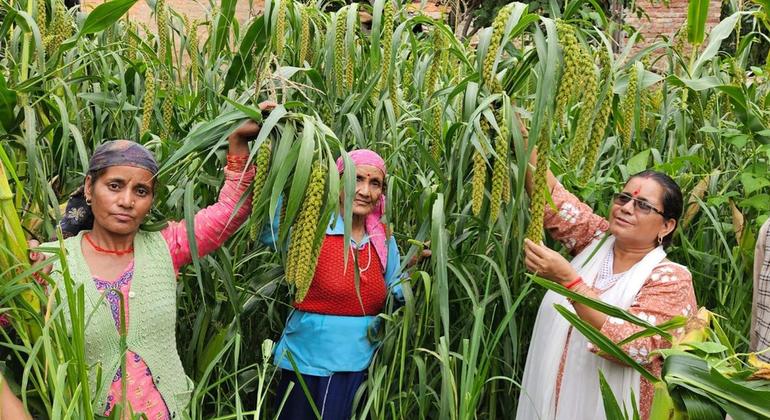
[(440, 110)]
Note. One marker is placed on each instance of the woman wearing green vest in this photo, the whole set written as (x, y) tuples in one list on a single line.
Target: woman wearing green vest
[(10, 406), (128, 275)]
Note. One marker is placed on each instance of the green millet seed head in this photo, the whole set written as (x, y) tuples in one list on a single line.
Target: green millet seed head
[(435, 66), (601, 120), (387, 44), (437, 131), (498, 30), (407, 76), (41, 18), (262, 165), (499, 171), (280, 29), (162, 20), (479, 174), (304, 43), (589, 85), (349, 70), (339, 51), (537, 199), (148, 100), (477, 182), (309, 215), (628, 105), (570, 78)]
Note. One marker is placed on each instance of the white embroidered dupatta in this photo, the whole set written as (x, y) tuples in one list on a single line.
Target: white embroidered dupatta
[(579, 396)]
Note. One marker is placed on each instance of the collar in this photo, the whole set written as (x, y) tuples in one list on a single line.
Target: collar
[(337, 227)]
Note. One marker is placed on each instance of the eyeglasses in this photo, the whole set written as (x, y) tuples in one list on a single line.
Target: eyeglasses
[(623, 198)]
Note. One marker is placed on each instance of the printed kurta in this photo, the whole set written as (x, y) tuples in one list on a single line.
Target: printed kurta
[(666, 293)]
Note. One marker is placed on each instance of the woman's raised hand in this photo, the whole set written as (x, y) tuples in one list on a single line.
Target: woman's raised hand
[(547, 263), (247, 131)]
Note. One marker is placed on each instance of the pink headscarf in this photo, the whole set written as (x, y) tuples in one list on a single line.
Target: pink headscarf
[(373, 220)]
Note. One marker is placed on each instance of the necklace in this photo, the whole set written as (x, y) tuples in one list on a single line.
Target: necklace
[(97, 248), (369, 261), (606, 278)]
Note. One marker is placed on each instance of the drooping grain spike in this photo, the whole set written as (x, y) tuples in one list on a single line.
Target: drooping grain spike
[(41, 18), (537, 200), (499, 171), (387, 44), (309, 217), (602, 117), (262, 165), (339, 51), (498, 31), (192, 49), (589, 84), (436, 140), (131, 46), (628, 105), (280, 29), (161, 18), (304, 43), (407, 76), (435, 67), (479, 175), (148, 101), (569, 83)]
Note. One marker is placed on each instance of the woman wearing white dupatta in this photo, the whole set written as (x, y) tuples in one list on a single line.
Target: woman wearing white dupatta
[(620, 261)]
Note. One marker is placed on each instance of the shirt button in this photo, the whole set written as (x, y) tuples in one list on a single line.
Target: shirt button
[(131, 294)]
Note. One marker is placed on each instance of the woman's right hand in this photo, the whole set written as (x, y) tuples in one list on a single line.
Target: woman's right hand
[(38, 257)]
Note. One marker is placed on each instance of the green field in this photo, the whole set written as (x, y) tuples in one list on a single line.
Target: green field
[(441, 111)]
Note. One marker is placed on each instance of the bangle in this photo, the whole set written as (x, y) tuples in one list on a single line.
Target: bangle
[(237, 162), (574, 283)]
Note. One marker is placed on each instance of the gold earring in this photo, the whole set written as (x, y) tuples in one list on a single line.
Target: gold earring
[(88, 202), (660, 241)]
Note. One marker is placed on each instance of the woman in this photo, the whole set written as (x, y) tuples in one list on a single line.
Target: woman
[(620, 261), (326, 335), (109, 256), (10, 406), (760, 308)]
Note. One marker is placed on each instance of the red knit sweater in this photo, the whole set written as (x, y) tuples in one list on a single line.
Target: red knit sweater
[(333, 290)]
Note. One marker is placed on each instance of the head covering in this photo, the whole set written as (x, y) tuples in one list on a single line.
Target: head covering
[(373, 222), (78, 215)]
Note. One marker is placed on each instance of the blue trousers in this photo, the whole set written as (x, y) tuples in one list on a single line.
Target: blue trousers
[(332, 395)]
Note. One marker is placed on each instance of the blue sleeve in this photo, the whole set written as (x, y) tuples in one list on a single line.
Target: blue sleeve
[(269, 235), (392, 271)]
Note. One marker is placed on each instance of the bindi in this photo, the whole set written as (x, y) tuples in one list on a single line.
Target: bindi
[(636, 192)]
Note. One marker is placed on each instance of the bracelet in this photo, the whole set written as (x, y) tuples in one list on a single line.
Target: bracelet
[(574, 283), (237, 162)]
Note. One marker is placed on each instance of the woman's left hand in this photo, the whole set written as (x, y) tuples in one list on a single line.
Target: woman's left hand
[(547, 263)]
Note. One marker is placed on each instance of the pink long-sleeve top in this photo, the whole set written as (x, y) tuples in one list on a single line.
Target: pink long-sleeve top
[(213, 226), (668, 291)]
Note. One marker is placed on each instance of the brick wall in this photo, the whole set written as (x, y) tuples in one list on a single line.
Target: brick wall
[(142, 12), (665, 20)]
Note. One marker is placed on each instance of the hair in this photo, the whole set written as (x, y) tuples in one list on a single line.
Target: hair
[(672, 198)]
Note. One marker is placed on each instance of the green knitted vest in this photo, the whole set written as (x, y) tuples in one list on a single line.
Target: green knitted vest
[(152, 327)]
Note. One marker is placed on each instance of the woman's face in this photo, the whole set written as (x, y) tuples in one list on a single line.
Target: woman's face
[(634, 226), (120, 198), (370, 182)]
